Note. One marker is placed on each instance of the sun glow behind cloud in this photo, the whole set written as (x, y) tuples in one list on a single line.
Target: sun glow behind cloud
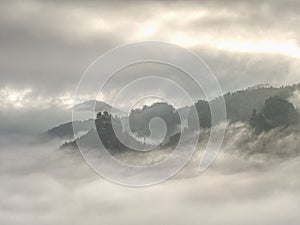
[(157, 29), (187, 26), (283, 47), (147, 30), (13, 97), (78, 33), (288, 47)]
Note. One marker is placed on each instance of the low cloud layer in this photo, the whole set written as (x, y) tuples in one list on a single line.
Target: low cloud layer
[(43, 185), (295, 99)]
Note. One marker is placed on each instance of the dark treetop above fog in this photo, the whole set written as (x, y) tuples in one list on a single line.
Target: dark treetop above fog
[(264, 108)]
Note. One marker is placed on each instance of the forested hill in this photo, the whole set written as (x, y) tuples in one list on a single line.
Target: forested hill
[(240, 104)]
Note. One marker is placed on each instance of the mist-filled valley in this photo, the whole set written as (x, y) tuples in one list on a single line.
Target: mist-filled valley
[(254, 180), (43, 185)]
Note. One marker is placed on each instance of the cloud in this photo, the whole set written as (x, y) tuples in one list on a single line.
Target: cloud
[(47, 47), (41, 185), (27, 112), (295, 99)]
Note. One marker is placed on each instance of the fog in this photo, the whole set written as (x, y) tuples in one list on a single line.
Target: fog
[(41, 184), (46, 46), (295, 99)]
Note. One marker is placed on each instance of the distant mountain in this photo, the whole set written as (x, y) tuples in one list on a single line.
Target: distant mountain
[(139, 119), (98, 106), (277, 112), (239, 105), (107, 127), (65, 130)]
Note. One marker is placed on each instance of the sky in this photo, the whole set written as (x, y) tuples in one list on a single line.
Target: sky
[(45, 48), (47, 45)]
